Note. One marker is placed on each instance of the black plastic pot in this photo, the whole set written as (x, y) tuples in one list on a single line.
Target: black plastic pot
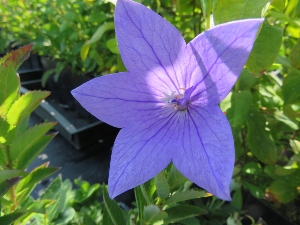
[(257, 208), (80, 131)]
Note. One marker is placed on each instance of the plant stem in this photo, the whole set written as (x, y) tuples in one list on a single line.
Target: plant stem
[(12, 190), (145, 194), (208, 10), (13, 198), (7, 156)]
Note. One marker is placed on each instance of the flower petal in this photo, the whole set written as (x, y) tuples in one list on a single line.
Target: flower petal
[(140, 153), (120, 99), (216, 58), (147, 42), (205, 152)]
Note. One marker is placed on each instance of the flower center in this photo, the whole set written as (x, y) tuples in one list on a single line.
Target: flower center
[(179, 101)]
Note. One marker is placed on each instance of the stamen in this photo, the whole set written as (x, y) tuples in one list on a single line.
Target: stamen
[(179, 101)]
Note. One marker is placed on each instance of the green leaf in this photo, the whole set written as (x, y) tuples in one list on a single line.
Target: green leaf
[(25, 105), (181, 212), (17, 57), (112, 45), (27, 184), (88, 220), (184, 196), (153, 213), (9, 88), (22, 126), (229, 10), (3, 156), (61, 192), (33, 136), (246, 81), (53, 190), (106, 218), (253, 168), (150, 188), (141, 200), (32, 152), (239, 110), (114, 211), (256, 191), (278, 4), (58, 69), (176, 179), (4, 130), (36, 176), (265, 49), (286, 120), (96, 37), (295, 146), (65, 216), (295, 55), (8, 174), (290, 88), (7, 184), (258, 139), (35, 206), (10, 218), (237, 199), (162, 186), (46, 75), (282, 192), (189, 221)]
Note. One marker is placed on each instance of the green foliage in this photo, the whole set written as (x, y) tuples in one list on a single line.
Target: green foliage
[(19, 145), (60, 29), (229, 10), (265, 49), (263, 110)]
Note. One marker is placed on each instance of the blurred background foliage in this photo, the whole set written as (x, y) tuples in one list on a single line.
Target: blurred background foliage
[(263, 107), (59, 29)]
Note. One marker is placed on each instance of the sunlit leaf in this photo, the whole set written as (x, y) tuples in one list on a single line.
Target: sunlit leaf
[(295, 146), (9, 87), (265, 49), (25, 105), (278, 4), (17, 57), (96, 37), (33, 151), (229, 10), (113, 46), (27, 139)]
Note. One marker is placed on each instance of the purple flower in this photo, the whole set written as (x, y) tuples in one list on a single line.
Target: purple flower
[(167, 102)]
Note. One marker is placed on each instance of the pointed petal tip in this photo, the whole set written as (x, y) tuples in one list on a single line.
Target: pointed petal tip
[(222, 194), (111, 193)]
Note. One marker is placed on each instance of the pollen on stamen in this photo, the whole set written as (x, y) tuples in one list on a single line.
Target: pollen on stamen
[(179, 101)]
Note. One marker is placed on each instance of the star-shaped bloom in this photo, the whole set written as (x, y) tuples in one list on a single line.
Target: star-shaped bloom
[(167, 102)]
